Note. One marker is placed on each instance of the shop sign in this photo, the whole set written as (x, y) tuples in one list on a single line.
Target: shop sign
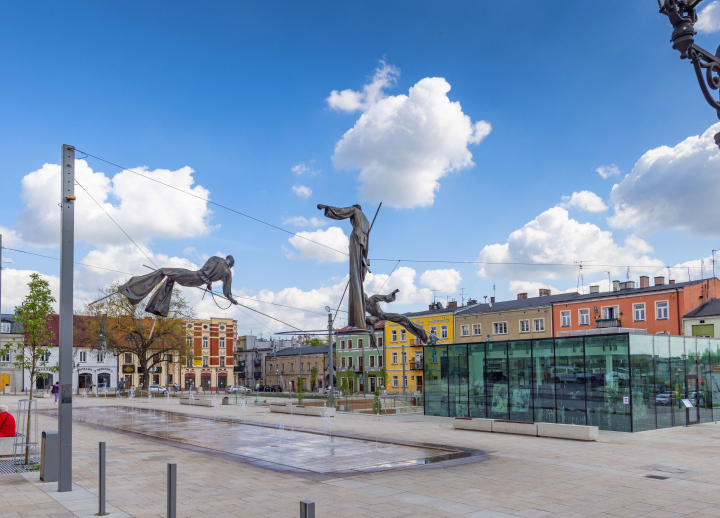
[(197, 362), (128, 369)]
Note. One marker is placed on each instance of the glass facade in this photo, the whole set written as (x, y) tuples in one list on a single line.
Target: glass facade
[(621, 382)]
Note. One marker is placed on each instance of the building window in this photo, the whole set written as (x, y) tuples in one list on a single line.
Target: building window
[(6, 327), (83, 356), (638, 312), (524, 326), (584, 315), (443, 332), (565, 318), (292, 367), (350, 358), (4, 357), (205, 326), (539, 325), (610, 312), (405, 381), (205, 361), (189, 342), (661, 310), (465, 330), (403, 335), (342, 361), (477, 329), (393, 335), (349, 344), (189, 326), (189, 362), (380, 341), (222, 343), (394, 358), (128, 358), (360, 343), (282, 368), (342, 344), (500, 328), (205, 341), (372, 361), (101, 357), (404, 358), (222, 361), (395, 381)]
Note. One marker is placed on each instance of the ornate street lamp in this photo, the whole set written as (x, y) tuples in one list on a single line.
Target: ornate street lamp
[(683, 16)]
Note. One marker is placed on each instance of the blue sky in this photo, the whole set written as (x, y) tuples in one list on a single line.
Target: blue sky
[(241, 94)]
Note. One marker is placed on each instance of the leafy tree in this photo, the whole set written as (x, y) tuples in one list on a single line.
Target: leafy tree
[(313, 377), (377, 404), (383, 377), (311, 341), (33, 353), (300, 391), (128, 329)]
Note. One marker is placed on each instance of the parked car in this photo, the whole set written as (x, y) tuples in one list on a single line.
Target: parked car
[(274, 388), (665, 398), (157, 389), (563, 374), (585, 377), (335, 390), (237, 389)]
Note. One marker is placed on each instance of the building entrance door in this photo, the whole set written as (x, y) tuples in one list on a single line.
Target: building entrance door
[(693, 414)]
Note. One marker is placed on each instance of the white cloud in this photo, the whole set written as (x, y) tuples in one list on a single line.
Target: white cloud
[(709, 18), (301, 221), (403, 145), (553, 237), (532, 288), (143, 208), (606, 171), (301, 191), (15, 288), (333, 237), (403, 279), (672, 188), (584, 200), (445, 281), (301, 169)]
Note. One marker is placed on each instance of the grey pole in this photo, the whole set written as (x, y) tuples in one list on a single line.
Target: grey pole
[(402, 359), (171, 490), (67, 243), (330, 360), (307, 509), (101, 495)]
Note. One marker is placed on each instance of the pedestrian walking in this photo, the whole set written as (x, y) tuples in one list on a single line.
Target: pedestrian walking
[(55, 390)]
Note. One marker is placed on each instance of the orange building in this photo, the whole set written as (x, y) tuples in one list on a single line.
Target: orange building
[(212, 344), (652, 309)]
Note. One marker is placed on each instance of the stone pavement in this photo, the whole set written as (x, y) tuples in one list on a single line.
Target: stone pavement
[(519, 476)]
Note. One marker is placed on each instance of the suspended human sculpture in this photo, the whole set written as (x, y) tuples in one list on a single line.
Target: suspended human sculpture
[(376, 314), (359, 262), (214, 269)]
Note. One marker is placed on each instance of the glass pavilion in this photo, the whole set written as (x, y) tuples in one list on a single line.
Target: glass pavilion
[(621, 382)]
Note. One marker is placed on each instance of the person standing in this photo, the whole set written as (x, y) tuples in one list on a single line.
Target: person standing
[(55, 390)]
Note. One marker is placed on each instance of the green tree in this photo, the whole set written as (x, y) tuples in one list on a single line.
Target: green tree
[(382, 376), (128, 329), (313, 377), (311, 341), (377, 404), (300, 392), (33, 352)]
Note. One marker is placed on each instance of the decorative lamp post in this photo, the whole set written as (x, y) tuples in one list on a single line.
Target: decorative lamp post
[(683, 16)]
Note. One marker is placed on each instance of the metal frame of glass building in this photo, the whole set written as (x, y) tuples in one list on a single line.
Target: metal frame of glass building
[(621, 382)]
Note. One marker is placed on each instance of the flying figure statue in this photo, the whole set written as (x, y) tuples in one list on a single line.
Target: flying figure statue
[(214, 269), (376, 314)]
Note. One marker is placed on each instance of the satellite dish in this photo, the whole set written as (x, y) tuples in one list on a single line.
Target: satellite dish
[(327, 308)]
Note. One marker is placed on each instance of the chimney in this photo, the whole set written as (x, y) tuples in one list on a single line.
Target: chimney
[(492, 300), (595, 288), (671, 281), (471, 302), (659, 281), (432, 306), (544, 292), (452, 304), (521, 296), (616, 285), (644, 281), (629, 285)]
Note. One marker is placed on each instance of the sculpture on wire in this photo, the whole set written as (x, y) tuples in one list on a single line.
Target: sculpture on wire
[(214, 269), (376, 314)]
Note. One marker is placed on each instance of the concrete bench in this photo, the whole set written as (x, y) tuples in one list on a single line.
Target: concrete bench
[(553, 430), (568, 431), (478, 425), (317, 411), (204, 401), (6, 446)]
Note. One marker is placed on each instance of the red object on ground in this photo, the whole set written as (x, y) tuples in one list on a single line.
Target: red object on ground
[(7, 425)]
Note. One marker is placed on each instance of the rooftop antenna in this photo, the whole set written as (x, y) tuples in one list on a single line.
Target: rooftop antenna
[(494, 290), (627, 274), (581, 280), (713, 261), (485, 297), (434, 295), (609, 283), (462, 296)]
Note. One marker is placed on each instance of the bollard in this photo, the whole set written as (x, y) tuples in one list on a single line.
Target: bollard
[(307, 509), (101, 482), (171, 490)]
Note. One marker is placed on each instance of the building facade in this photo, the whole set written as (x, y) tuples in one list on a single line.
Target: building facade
[(212, 342), (10, 376), (404, 352), (646, 309), (704, 320), (251, 357), (360, 366), (291, 368)]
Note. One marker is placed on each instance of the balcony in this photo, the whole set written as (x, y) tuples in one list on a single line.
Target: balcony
[(416, 365), (607, 322)]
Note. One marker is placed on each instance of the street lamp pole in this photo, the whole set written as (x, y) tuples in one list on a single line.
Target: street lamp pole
[(683, 16)]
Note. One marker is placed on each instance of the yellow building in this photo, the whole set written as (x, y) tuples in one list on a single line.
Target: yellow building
[(404, 352)]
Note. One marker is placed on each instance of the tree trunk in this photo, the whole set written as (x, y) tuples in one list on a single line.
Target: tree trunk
[(146, 380), (27, 431)]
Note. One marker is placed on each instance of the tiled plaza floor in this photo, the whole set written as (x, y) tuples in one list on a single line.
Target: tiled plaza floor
[(519, 476)]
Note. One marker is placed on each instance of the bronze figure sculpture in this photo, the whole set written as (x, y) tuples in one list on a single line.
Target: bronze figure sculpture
[(376, 314)]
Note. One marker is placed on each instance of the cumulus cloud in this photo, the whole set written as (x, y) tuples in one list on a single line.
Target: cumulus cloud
[(301, 221), (302, 191), (606, 171), (15, 288), (584, 200), (445, 281), (333, 238), (301, 169), (672, 188), (133, 202), (532, 288), (553, 237), (709, 18), (404, 144)]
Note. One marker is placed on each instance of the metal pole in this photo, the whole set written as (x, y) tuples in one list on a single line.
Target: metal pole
[(67, 243), (307, 509), (330, 359), (101, 495), (402, 359), (171, 490)]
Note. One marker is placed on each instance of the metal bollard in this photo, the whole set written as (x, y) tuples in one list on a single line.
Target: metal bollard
[(101, 476), (307, 509), (171, 490)]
